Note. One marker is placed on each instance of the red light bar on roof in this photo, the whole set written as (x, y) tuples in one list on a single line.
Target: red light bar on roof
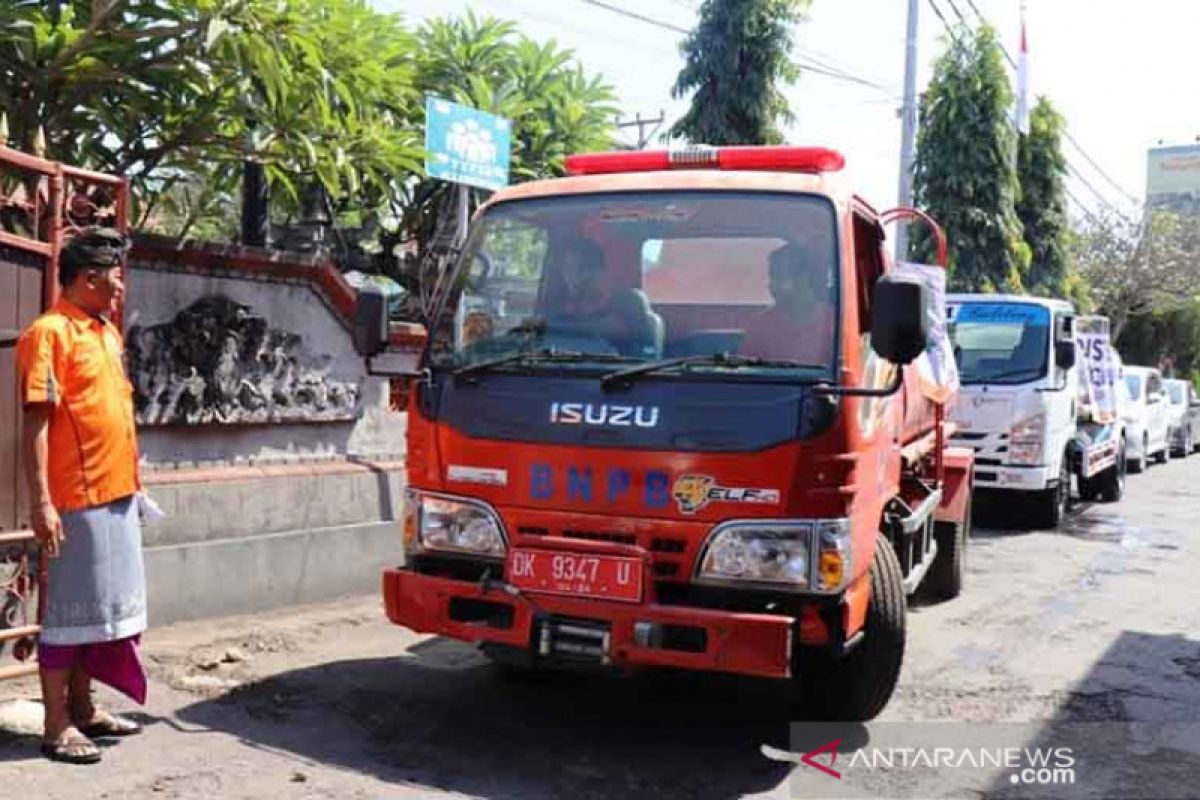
[(771, 159)]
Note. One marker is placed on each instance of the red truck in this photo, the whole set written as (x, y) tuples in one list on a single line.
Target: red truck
[(666, 414)]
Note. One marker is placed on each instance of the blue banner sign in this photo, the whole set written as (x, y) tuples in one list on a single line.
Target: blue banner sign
[(1015, 313), (464, 145)]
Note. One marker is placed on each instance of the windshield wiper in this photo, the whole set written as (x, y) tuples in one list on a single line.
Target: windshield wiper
[(1011, 373), (624, 376), (533, 356)]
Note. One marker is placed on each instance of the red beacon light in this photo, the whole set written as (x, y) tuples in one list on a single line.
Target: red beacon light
[(772, 159)]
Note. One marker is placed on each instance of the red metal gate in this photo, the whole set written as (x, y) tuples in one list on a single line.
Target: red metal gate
[(41, 203)]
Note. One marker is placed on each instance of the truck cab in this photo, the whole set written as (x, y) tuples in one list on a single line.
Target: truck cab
[(1022, 405), (664, 417)]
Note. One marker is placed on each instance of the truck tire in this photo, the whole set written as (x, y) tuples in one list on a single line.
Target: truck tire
[(945, 578), (1184, 435), (857, 687), (1089, 489), (1050, 506), (1164, 455), (1112, 481), (1137, 465)]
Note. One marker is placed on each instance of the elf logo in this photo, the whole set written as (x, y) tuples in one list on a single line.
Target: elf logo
[(603, 414)]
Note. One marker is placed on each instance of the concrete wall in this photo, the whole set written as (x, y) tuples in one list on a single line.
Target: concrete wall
[(159, 289), (268, 514), (241, 541)]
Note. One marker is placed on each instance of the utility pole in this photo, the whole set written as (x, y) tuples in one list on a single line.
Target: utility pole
[(641, 124), (908, 127)]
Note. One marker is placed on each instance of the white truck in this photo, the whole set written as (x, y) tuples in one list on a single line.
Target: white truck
[(1034, 416)]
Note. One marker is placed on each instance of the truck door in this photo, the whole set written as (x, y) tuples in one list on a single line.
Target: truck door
[(1064, 382), (1157, 417)]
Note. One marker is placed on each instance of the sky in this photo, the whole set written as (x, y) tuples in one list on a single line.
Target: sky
[(1117, 71)]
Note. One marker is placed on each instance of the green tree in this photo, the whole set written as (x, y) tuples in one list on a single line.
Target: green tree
[(555, 107), (1168, 338), (175, 94), (735, 60), (1137, 266), (1042, 207), (965, 173)]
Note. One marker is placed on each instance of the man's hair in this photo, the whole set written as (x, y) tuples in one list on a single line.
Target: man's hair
[(95, 247)]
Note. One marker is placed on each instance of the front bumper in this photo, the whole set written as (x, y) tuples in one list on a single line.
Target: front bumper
[(696, 638), (1022, 479)]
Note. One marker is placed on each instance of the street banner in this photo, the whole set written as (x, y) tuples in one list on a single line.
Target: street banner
[(1098, 370), (464, 145), (936, 368)]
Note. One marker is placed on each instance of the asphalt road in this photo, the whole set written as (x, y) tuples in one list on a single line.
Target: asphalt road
[(1086, 638)]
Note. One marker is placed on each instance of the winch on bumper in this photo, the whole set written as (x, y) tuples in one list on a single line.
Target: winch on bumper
[(616, 633)]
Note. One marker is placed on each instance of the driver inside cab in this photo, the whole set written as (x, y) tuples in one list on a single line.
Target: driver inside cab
[(590, 305), (799, 326)]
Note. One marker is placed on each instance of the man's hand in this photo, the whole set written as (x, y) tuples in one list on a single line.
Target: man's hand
[(48, 527)]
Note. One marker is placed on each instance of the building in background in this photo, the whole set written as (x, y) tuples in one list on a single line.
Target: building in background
[(1173, 178)]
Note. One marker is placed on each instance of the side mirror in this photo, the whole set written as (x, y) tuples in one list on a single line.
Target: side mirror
[(1064, 354), (390, 349), (899, 322), (371, 321)]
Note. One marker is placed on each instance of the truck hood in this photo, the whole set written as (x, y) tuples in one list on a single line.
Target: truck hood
[(703, 452)]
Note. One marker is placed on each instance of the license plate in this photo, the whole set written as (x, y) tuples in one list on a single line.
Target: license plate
[(610, 577)]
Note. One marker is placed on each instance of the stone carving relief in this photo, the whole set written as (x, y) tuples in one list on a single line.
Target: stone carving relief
[(219, 362)]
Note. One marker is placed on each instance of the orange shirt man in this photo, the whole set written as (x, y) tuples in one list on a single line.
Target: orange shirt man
[(80, 456)]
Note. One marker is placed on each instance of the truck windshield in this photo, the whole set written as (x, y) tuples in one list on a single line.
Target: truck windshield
[(646, 276), (1003, 343)]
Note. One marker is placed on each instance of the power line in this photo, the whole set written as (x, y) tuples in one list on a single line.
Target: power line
[(945, 24), (975, 8), (957, 13), (1066, 134), (634, 15), (1074, 172), (805, 61), (1096, 166), (1079, 204)]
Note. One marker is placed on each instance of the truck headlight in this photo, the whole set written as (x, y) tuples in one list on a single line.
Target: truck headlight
[(793, 554), (1027, 441), (451, 525)]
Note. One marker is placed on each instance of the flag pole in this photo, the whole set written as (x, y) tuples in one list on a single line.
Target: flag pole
[(1023, 80)]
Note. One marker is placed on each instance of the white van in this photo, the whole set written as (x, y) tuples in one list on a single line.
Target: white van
[(1147, 419)]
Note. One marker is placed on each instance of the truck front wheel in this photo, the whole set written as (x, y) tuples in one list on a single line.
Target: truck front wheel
[(945, 578), (1112, 481), (857, 687), (1050, 505), (1137, 465)]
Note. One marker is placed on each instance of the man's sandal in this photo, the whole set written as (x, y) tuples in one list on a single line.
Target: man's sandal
[(75, 749), (106, 724)]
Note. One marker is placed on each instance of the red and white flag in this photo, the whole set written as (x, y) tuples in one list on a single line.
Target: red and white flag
[(1023, 81)]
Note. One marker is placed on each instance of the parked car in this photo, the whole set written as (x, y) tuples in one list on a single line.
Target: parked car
[(1147, 422), (1183, 406)]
